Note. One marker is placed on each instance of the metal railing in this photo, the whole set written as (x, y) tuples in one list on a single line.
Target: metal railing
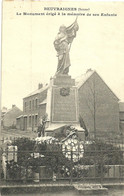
[(51, 163)]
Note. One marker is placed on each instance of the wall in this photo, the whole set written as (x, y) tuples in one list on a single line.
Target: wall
[(121, 114), (33, 111), (97, 100), (30, 110), (10, 117), (19, 123)]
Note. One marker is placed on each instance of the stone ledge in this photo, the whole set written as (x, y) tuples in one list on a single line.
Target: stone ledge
[(61, 80)]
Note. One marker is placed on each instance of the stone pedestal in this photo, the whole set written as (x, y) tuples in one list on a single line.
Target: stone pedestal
[(62, 104)]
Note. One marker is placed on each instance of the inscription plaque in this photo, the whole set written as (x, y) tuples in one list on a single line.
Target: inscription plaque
[(64, 108)]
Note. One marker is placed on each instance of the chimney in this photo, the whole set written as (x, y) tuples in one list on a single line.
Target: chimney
[(89, 70), (13, 106), (40, 85), (4, 108)]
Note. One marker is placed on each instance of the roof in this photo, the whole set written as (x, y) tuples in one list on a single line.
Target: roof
[(80, 80), (15, 107), (37, 91), (4, 113), (4, 110), (19, 116), (84, 77), (43, 102), (121, 106)]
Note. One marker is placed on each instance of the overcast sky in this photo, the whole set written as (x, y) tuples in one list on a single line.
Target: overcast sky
[(29, 57)]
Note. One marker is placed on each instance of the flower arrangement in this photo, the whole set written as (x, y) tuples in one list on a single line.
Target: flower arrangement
[(72, 148)]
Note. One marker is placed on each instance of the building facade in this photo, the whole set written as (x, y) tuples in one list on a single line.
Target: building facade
[(9, 118), (98, 105), (121, 114), (33, 109)]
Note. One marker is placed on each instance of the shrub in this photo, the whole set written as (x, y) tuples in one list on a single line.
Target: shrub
[(13, 169), (25, 148), (98, 152), (101, 154)]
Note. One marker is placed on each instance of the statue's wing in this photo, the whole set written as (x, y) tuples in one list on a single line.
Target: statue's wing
[(71, 31)]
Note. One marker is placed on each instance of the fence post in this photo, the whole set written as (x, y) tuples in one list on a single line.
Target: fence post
[(71, 167), (102, 165)]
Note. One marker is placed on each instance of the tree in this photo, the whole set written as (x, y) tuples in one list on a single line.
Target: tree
[(90, 98), (82, 124)]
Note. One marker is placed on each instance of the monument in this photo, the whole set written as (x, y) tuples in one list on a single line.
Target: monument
[(62, 96)]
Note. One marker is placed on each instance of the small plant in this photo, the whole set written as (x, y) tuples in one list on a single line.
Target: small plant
[(14, 170), (36, 162), (25, 146)]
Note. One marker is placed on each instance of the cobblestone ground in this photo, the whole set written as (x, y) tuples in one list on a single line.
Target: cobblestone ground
[(17, 133)]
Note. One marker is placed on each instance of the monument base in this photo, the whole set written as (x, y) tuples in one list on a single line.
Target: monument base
[(54, 129), (62, 106)]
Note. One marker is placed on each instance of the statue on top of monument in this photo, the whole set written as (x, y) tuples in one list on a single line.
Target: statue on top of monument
[(62, 45)]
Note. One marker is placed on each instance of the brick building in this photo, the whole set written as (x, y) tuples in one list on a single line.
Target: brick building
[(33, 108), (98, 105), (9, 118), (121, 114)]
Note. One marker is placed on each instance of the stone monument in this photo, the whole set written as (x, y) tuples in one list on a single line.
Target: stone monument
[(62, 96)]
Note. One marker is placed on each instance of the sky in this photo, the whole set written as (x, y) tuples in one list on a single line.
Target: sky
[(29, 57)]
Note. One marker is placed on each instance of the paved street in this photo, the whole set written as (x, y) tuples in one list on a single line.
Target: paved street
[(18, 133)]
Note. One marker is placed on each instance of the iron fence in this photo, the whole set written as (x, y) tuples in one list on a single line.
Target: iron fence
[(53, 162)]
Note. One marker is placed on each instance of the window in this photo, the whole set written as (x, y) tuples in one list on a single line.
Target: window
[(35, 120), (33, 104), (30, 105), (36, 103), (25, 106), (29, 121), (32, 122)]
